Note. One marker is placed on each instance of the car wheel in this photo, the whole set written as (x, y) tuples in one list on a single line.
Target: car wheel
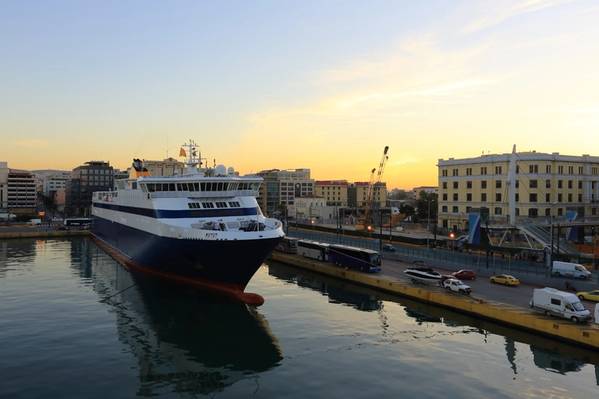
[(574, 319)]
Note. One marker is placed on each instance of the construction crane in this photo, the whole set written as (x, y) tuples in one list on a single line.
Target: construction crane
[(366, 222)]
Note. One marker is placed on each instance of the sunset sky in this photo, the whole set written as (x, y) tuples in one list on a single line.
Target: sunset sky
[(285, 84)]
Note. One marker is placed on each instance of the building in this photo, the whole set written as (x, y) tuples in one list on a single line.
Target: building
[(85, 179), (333, 191), (166, 167), (308, 208), (281, 187), (49, 181), (120, 174), (517, 186), (427, 189), (3, 185), (21, 196), (357, 195)]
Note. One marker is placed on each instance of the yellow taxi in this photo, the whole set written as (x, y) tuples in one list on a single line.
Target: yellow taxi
[(589, 295), (505, 279)]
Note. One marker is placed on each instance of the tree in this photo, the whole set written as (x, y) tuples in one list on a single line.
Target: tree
[(427, 202)]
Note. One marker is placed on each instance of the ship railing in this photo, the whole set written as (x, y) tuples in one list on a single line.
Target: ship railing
[(202, 194)]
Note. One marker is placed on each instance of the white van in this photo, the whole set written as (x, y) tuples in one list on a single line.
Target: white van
[(569, 269), (559, 303)]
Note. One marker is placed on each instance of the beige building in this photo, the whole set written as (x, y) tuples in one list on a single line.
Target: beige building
[(166, 167), (358, 195), (281, 187), (3, 185), (517, 187), (333, 191)]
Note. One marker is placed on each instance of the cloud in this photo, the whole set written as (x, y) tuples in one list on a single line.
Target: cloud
[(31, 143), (495, 16)]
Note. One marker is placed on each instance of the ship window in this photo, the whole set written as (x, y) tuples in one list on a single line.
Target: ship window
[(157, 187), (234, 204), (196, 187), (184, 187), (179, 188), (255, 186), (202, 186), (171, 187), (207, 205), (221, 205)]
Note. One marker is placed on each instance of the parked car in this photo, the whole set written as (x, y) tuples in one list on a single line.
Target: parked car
[(389, 248), (559, 303), (589, 295), (569, 269), (455, 285), (505, 279), (464, 274)]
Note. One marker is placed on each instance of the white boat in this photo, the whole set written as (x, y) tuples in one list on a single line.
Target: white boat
[(423, 275)]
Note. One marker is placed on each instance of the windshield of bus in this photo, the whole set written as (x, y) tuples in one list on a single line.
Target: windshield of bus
[(375, 259)]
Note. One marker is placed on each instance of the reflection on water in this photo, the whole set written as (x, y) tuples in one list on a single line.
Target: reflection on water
[(548, 354), (76, 324), (190, 342)]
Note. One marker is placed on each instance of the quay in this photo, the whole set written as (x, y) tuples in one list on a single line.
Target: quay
[(515, 315)]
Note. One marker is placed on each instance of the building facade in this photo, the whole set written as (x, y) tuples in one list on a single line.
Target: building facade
[(333, 191), (517, 187), (21, 192), (281, 187), (85, 179), (166, 167), (3, 186), (357, 195)]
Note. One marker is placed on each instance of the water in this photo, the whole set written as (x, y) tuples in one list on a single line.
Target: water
[(314, 337)]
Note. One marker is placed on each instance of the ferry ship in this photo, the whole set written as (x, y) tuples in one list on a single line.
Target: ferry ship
[(203, 227)]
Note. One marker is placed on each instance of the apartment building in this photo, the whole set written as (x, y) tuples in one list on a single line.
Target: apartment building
[(517, 187), (357, 195), (85, 179), (21, 196), (281, 187), (334, 192)]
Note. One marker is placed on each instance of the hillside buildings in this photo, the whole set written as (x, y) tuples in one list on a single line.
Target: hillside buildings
[(517, 186)]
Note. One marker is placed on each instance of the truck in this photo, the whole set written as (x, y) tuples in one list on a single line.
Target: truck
[(553, 302), (569, 269)]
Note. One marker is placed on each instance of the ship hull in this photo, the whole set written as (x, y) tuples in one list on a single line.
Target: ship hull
[(227, 263)]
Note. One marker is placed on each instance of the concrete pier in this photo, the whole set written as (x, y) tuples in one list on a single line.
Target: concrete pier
[(515, 316)]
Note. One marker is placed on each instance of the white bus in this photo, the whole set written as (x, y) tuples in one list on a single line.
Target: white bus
[(313, 250)]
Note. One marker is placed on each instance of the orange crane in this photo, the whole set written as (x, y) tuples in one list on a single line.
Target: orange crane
[(366, 222)]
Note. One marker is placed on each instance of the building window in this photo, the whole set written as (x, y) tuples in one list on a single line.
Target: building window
[(455, 184), (455, 209), (483, 184), (547, 211), (517, 183), (483, 170), (517, 211), (533, 168), (469, 197), (468, 209), (533, 212), (517, 169), (497, 183), (498, 197), (570, 197), (444, 196), (532, 197), (548, 197), (548, 169), (456, 172), (580, 184), (560, 184), (547, 183), (468, 171), (483, 197), (444, 185), (570, 184), (560, 211), (498, 211), (517, 197), (444, 172), (498, 170), (533, 184), (560, 170), (579, 197), (468, 184), (581, 170), (559, 197), (444, 208), (455, 196), (570, 170)]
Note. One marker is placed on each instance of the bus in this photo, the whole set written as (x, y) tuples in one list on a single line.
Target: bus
[(83, 223), (313, 249), (287, 245), (361, 259)]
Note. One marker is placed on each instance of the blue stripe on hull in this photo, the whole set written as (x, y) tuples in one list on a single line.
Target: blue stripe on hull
[(232, 262), (176, 214)]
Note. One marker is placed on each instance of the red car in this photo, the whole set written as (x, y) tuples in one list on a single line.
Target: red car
[(464, 275)]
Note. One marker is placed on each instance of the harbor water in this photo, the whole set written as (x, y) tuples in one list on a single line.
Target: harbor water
[(74, 323)]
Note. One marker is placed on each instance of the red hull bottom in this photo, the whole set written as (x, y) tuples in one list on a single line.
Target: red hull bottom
[(230, 291)]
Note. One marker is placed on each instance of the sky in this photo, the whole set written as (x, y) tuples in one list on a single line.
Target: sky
[(290, 84)]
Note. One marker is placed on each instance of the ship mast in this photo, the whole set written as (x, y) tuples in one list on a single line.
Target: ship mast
[(194, 156)]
